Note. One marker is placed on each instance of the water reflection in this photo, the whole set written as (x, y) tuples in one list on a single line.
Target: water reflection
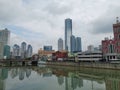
[(60, 78)]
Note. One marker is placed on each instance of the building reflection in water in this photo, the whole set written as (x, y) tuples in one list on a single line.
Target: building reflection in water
[(70, 79), (28, 72), (14, 72), (3, 77), (60, 80), (21, 72), (71, 83), (112, 84)]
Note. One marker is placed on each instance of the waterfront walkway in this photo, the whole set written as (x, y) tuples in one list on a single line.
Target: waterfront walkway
[(102, 65)]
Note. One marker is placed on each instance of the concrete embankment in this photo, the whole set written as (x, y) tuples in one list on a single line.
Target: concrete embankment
[(87, 64)]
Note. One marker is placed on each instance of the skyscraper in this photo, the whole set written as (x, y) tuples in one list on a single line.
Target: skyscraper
[(29, 51), (78, 44), (16, 51), (68, 33), (4, 40), (73, 43), (6, 52), (60, 44), (23, 50)]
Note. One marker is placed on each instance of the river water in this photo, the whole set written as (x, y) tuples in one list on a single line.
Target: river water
[(58, 78)]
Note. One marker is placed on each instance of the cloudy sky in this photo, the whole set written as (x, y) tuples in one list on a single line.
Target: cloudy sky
[(41, 22)]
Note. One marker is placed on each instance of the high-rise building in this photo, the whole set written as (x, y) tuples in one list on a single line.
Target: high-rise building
[(1, 50), (78, 44), (16, 51), (60, 44), (6, 52), (4, 40), (47, 48), (73, 44), (29, 51), (23, 50), (68, 33)]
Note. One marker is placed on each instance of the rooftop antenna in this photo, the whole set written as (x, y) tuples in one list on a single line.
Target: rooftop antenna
[(117, 19)]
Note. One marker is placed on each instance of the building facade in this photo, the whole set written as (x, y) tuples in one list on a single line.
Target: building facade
[(29, 51), (90, 48), (16, 52), (60, 44), (4, 40), (78, 44), (73, 44), (23, 50), (59, 55), (111, 47), (47, 48), (6, 52), (68, 33), (45, 54)]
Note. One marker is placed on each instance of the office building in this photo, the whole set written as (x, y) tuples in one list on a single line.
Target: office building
[(78, 44), (6, 52), (29, 51), (60, 44), (47, 48), (73, 43), (4, 40), (16, 51), (23, 50), (68, 33)]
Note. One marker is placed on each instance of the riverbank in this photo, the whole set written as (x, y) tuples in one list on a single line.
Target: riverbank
[(87, 64)]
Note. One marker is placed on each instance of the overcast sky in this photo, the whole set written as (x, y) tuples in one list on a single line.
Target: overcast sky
[(41, 22)]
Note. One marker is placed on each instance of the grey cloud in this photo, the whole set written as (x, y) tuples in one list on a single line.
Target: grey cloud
[(10, 12), (105, 22), (102, 26), (46, 16), (58, 8)]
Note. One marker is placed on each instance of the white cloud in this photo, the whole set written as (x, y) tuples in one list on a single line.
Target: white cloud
[(90, 17)]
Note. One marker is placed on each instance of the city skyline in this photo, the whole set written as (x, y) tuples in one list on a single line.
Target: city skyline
[(92, 20)]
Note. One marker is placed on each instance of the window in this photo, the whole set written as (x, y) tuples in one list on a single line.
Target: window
[(119, 36), (118, 29), (118, 44), (111, 48)]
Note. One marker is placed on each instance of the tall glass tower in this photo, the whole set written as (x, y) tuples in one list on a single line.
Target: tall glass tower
[(68, 33), (16, 51), (29, 51), (73, 43), (78, 44), (6, 52), (60, 44), (23, 50), (4, 40)]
